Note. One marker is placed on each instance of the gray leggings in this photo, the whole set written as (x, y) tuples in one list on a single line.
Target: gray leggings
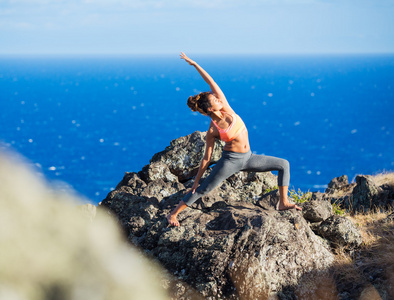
[(232, 162)]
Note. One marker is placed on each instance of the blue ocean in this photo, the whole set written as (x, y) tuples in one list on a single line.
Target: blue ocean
[(82, 122)]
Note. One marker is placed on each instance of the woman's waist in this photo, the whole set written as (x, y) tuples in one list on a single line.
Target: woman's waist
[(237, 146), (235, 155)]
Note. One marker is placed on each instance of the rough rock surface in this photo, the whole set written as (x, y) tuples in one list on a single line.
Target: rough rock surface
[(229, 241), (366, 193), (317, 210), (184, 154), (337, 183), (361, 196), (340, 231), (223, 250)]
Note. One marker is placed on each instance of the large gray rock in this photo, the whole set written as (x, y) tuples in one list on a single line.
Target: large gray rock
[(337, 183), (157, 170), (184, 154), (317, 210), (361, 196), (229, 241), (340, 231), (223, 250), (366, 193)]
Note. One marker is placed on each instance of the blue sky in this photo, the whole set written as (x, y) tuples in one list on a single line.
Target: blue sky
[(196, 26)]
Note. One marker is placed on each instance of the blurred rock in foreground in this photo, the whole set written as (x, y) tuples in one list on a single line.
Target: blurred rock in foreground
[(50, 249)]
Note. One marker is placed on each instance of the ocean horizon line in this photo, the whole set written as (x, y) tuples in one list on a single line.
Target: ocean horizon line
[(222, 55)]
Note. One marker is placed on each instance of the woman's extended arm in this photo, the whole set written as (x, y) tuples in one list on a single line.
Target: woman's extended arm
[(210, 144), (208, 79)]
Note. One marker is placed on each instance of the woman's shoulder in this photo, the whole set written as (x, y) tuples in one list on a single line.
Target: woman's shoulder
[(212, 130), (228, 110)]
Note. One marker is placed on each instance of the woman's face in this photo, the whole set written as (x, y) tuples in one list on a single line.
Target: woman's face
[(216, 104)]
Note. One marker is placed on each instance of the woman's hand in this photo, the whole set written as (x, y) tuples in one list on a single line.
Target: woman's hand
[(187, 59), (193, 189)]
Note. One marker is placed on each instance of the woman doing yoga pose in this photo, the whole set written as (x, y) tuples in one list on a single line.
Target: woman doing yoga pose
[(229, 127)]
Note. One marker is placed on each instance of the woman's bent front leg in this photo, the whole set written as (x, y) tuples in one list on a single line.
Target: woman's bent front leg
[(264, 163)]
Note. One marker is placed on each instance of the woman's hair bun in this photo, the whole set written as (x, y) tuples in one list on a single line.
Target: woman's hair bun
[(192, 103), (199, 102)]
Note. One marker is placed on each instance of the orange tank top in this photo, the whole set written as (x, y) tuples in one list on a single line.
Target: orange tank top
[(233, 131)]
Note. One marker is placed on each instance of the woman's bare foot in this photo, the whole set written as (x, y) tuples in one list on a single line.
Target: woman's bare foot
[(172, 220), (288, 206)]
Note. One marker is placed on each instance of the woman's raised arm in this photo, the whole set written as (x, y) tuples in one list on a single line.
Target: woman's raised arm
[(208, 79)]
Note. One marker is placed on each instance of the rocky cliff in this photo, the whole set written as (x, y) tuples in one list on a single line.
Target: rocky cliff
[(232, 243)]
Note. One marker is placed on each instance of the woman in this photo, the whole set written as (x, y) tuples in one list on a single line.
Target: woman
[(236, 156)]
